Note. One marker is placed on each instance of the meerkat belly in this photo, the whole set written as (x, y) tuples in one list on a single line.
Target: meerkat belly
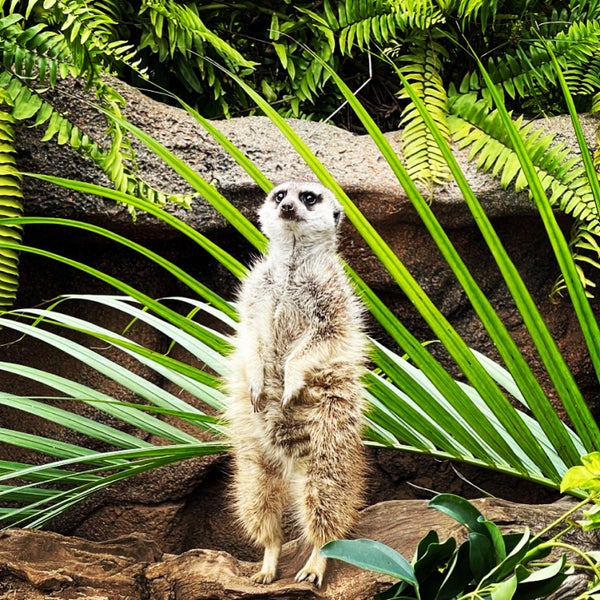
[(288, 431)]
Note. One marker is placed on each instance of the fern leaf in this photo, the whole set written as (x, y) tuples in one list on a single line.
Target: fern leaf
[(10, 204), (358, 24), (33, 52), (185, 21), (528, 70), (422, 67), (474, 125)]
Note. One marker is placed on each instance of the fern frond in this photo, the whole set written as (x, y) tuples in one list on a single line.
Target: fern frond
[(116, 162), (422, 68), (10, 204), (35, 56), (177, 29), (363, 24), (91, 33), (34, 52), (475, 125), (187, 32), (484, 10), (582, 72), (586, 253), (529, 70)]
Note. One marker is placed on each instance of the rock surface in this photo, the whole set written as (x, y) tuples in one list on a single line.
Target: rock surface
[(352, 159), (37, 564)]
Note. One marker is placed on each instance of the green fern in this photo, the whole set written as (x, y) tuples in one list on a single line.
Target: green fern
[(475, 125), (178, 30), (35, 57), (527, 71), (364, 24), (422, 68), (307, 77), (10, 204)]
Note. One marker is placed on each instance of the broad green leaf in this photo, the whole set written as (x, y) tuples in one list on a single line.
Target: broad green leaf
[(460, 510), (585, 476), (481, 555), (372, 555), (504, 590)]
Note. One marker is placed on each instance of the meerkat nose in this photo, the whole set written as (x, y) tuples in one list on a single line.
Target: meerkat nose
[(288, 207)]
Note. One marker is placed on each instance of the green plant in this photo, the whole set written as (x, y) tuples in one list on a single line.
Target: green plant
[(489, 563), (417, 407), (35, 57), (287, 52)]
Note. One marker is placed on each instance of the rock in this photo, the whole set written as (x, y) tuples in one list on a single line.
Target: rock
[(41, 564), (352, 159), (37, 564)]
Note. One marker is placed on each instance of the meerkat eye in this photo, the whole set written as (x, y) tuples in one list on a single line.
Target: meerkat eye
[(309, 198), (279, 196)]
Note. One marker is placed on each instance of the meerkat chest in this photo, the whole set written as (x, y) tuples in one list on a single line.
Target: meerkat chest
[(293, 305)]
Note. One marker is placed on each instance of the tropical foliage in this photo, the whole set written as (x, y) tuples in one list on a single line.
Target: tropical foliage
[(496, 415), (282, 51), (489, 563), (415, 404)]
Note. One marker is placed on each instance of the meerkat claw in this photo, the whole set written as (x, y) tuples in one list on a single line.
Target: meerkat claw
[(263, 577), (314, 578), (255, 399)]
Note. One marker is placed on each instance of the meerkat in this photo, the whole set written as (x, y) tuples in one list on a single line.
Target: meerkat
[(295, 395)]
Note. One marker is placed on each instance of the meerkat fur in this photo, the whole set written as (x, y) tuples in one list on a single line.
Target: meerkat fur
[(295, 396)]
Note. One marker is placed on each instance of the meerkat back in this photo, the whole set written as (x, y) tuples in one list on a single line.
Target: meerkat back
[(295, 395)]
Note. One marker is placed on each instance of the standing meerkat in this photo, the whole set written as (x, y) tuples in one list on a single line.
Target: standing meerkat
[(295, 395)]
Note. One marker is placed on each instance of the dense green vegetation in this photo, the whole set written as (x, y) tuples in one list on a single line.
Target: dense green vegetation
[(287, 51), (497, 415)]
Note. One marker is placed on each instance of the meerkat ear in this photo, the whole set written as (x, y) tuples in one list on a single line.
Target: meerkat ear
[(337, 217)]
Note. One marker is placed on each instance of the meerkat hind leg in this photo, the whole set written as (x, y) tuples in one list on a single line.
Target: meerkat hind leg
[(269, 566), (261, 495)]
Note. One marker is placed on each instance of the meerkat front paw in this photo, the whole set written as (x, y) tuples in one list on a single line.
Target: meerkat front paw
[(263, 577), (290, 393), (256, 396), (292, 385), (256, 384)]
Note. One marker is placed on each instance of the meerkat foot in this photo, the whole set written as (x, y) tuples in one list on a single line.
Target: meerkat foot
[(314, 569), (263, 577), (268, 571)]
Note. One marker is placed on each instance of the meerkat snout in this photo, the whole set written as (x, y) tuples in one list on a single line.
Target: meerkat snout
[(287, 210)]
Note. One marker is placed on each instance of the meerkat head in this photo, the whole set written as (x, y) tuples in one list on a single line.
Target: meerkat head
[(301, 209)]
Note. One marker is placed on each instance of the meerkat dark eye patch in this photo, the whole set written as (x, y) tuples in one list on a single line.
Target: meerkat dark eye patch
[(310, 198), (279, 196)]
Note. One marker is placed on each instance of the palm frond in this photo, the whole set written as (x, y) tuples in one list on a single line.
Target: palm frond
[(76, 471), (479, 376)]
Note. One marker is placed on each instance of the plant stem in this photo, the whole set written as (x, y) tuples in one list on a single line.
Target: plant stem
[(562, 518)]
